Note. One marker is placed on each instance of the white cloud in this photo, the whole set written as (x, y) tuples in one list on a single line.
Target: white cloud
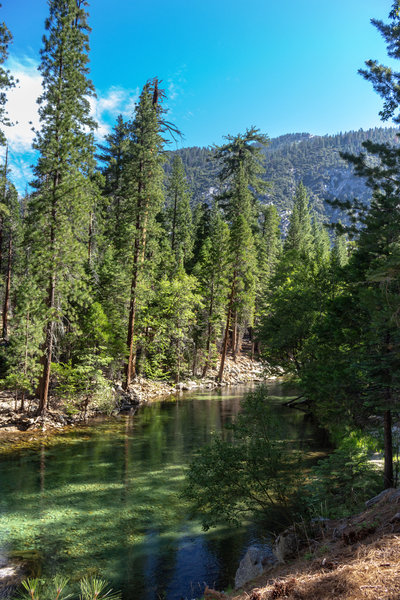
[(22, 109), (172, 90), (111, 103), (21, 105), (176, 84)]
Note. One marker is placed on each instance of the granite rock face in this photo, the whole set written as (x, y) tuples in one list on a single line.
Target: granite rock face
[(255, 562)]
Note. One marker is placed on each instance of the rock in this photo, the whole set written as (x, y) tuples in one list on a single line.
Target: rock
[(255, 562), (189, 385), (395, 518), (390, 494), (126, 399), (286, 545)]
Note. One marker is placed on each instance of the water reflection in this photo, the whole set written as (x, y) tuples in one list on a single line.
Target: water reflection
[(105, 499)]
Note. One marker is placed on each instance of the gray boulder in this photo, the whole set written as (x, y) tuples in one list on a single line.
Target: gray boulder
[(255, 562), (390, 494), (286, 545)]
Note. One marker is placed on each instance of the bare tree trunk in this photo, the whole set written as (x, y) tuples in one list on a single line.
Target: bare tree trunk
[(7, 290), (138, 258), (90, 240), (251, 335), (129, 369), (388, 445), (194, 362), (239, 341), (48, 350), (209, 332), (226, 336), (234, 336), (25, 369), (174, 222), (5, 202)]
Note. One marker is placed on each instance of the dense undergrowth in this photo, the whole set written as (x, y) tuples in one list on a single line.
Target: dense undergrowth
[(250, 471)]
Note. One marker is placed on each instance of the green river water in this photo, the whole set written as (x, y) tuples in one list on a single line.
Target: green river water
[(104, 499)]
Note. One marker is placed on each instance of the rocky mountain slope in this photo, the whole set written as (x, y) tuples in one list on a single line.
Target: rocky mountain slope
[(289, 159)]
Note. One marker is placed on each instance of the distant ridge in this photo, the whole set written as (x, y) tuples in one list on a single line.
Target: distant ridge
[(292, 158)]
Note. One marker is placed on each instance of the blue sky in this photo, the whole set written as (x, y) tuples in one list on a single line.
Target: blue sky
[(284, 67)]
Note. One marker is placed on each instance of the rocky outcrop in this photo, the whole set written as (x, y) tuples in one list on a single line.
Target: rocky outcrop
[(255, 562), (286, 545), (243, 370), (388, 495)]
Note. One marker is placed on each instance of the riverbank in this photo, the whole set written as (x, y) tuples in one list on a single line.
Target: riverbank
[(356, 558), (243, 370)]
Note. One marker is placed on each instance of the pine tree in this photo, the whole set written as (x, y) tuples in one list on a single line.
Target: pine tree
[(321, 244), (114, 156), (376, 261), (201, 230), (61, 206), (144, 177), (300, 290), (385, 80), (299, 239), (242, 166), (339, 255), (7, 81), (12, 231), (269, 246), (178, 215), (212, 274)]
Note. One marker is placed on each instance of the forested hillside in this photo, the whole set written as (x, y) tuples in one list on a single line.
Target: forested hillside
[(295, 158)]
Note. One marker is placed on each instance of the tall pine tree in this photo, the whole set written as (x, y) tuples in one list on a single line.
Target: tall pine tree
[(60, 209)]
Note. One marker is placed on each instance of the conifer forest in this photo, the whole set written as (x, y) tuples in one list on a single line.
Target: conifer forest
[(131, 260)]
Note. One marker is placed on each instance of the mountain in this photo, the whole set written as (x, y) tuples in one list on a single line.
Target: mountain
[(291, 158)]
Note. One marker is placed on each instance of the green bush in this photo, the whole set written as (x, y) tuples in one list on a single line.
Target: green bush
[(79, 385), (339, 484), (248, 474)]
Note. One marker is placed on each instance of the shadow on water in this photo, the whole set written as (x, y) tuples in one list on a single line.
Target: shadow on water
[(104, 499)]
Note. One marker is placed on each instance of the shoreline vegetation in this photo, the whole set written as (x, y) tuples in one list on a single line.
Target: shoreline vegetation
[(239, 371)]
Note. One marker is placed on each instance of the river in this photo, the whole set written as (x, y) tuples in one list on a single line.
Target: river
[(104, 499)]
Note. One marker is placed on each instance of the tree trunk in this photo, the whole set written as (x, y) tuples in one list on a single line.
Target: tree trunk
[(129, 369), (5, 202), (90, 240), (194, 362), (226, 336), (48, 349), (174, 222), (138, 258), (209, 332), (234, 331), (7, 290), (388, 467)]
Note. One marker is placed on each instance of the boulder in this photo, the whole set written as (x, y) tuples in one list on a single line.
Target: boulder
[(390, 494), (189, 385), (125, 400), (255, 562), (286, 545)]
